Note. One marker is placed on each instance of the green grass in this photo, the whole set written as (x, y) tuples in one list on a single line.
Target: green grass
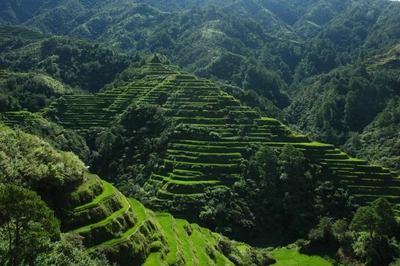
[(288, 257), (198, 239), (243, 248), (138, 209), (108, 192), (220, 259), (141, 215), (109, 218), (187, 246), (152, 260), (168, 224), (198, 102), (189, 182)]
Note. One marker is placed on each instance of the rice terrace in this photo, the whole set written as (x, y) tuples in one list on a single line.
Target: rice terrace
[(199, 132)]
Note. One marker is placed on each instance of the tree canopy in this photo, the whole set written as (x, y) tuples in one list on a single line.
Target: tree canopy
[(26, 223)]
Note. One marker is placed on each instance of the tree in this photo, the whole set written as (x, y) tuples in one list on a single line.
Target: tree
[(388, 224), (323, 231), (26, 224), (366, 219), (267, 162), (70, 251), (291, 161), (339, 229)]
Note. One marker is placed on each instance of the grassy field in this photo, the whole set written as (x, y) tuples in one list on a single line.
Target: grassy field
[(152, 260), (109, 190), (173, 237), (291, 257), (109, 218)]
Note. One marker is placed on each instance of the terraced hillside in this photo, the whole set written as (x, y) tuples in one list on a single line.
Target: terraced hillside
[(108, 222), (129, 234), (195, 162), (7, 31)]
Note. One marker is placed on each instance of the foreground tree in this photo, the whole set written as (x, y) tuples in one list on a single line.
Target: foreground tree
[(366, 219), (26, 225), (69, 251)]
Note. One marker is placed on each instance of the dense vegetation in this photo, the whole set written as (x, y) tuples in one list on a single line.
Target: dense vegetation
[(209, 159), (279, 194), (329, 69), (30, 233), (268, 59), (91, 213), (78, 65)]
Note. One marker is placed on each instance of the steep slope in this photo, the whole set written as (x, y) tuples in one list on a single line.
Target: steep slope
[(7, 31), (214, 137), (109, 223), (129, 234), (353, 107), (256, 11), (68, 61)]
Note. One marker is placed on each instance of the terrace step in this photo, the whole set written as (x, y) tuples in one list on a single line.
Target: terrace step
[(95, 211), (124, 235), (97, 233), (175, 256)]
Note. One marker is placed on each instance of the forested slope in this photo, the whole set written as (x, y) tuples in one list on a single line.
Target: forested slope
[(201, 144), (93, 216), (266, 53), (73, 64), (328, 69)]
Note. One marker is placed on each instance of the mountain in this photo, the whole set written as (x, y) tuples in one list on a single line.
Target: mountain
[(76, 65), (179, 143), (110, 224), (347, 103), (200, 151), (209, 151)]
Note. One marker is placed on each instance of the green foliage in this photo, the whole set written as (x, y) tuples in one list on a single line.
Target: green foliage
[(26, 223), (131, 148), (323, 231), (345, 100), (248, 45), (366, 219), (30, 91), (241, 254), (379, 142), (266, 83), (58, 137), (388, 224), (69, 251), (377, 219), (76, 63), (369, 238), (332, 84), (376, 251), (277, 193), (26, 160)]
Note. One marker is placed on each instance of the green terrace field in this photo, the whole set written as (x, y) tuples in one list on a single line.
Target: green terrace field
[(10, 118), (7, 31), (196, 162), (286, 257), (114, 225), (3, 74)]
